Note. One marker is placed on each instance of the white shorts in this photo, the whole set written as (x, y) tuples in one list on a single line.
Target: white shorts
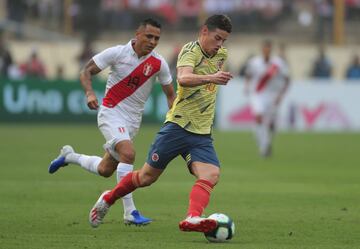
[(115, 129), (263, 105)]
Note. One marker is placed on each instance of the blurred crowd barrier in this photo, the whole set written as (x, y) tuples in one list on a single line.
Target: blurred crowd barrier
[(307, 106), (63, 60)]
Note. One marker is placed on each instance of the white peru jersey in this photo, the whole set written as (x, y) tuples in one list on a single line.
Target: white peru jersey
[(131, 79), (267, 78)]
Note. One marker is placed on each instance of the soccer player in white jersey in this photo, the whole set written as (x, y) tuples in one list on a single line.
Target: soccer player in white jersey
[(267, 79), (133, 69)]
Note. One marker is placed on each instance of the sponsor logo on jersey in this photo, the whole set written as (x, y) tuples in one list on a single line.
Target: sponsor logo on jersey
[(155, 157), (121, 129), (147, 69)]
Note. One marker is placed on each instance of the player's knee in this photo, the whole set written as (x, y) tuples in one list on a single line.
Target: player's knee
[(214, 177), (127, 155), (211, 176), (105, 172)]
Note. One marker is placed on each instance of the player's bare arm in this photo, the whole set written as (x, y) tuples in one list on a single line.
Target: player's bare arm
[(282, 91), (85, 78), (187, 78), (170, 94)]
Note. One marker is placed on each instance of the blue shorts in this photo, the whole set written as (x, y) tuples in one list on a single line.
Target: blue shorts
[(173, 140)]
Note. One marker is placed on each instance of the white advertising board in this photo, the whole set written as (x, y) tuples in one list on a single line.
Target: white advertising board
[(307, 106)]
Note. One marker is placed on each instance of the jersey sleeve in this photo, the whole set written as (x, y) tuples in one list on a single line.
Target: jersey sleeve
[(186, 58), (105, 58), (164, 75)]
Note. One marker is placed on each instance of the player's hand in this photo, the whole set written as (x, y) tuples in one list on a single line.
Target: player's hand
[(221, 77), (92, 101)]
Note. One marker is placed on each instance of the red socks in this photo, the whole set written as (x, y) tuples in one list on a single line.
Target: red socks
[(199, 197), (127, 185)]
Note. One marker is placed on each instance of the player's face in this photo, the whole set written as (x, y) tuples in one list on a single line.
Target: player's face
[(266, 50), (147, 38), (213, 40)]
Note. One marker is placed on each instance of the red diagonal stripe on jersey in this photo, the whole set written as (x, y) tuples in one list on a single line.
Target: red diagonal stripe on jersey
[(272, 70), (128, 85)]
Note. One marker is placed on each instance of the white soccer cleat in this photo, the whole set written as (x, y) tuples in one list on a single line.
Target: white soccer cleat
[(66, 149), (60, 161), (99, 210), (197, 224)]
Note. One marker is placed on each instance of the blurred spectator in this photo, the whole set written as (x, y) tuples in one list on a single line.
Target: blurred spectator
[(60, 72), (50, 12), (353, 9), (86, 53), (215, 6), (353, 71), (324, 10), (270, 12), (163, 10), (322, 67), (89, 18), (109, 13), (138, 11), (188, 11), (16, 10), (116, 15), (5, 59), (34, 67)]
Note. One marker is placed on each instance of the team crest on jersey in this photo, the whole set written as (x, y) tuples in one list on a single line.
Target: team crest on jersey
[(155, 157), (220, 63), (147, 69), (121, 129)]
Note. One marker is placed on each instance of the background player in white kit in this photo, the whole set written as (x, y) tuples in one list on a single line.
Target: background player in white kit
[(133, 69), (267, 79)]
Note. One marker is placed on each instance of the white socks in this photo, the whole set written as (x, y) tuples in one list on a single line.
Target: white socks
[(90, 163), (122, 170), (263, 137)]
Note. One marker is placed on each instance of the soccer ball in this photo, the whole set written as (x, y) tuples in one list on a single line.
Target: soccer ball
[(224, 231)]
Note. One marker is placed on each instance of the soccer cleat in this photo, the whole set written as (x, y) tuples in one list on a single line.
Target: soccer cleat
[(99, 210), (60, 160), (197, 224), (135, 218), (267, 153)]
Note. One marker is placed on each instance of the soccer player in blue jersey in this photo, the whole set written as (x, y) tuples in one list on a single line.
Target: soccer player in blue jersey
[(187, 128)]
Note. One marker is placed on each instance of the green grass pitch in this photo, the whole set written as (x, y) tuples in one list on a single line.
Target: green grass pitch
[(306, 196)]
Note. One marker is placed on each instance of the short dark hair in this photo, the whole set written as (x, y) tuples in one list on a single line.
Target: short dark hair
[(222, 22), (150, 21)]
